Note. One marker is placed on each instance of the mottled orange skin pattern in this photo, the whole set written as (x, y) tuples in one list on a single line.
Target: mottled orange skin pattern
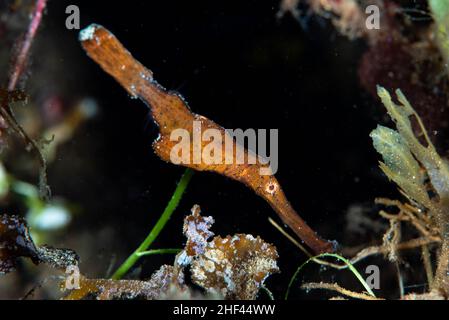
[(170, 112)]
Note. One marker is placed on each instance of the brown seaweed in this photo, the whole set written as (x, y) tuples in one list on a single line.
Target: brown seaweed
[(16, 242)]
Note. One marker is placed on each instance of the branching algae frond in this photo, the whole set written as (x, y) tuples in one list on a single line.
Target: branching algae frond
[(416, 167)]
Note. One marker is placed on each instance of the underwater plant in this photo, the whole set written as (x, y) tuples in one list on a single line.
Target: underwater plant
[(412, 162), (12, 94), (420, 173), (440, 12)]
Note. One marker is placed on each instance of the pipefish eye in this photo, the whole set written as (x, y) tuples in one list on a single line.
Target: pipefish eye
[(271, 187)]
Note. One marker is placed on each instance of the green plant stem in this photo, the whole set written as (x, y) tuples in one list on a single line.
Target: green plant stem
[(336, 256), (159, 226), (158, 251), (267, 292)]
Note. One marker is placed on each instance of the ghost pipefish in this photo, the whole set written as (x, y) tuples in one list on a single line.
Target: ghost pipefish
[(170, 112)]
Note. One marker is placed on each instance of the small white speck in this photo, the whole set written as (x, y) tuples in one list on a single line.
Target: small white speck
[(88, 33)]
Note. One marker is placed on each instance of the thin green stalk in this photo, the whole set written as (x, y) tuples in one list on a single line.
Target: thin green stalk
[(160, 224), (267, 292), (336, 256), (158, 251)]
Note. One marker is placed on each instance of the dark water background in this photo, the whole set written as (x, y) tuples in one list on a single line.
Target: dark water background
[(237, 64)]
